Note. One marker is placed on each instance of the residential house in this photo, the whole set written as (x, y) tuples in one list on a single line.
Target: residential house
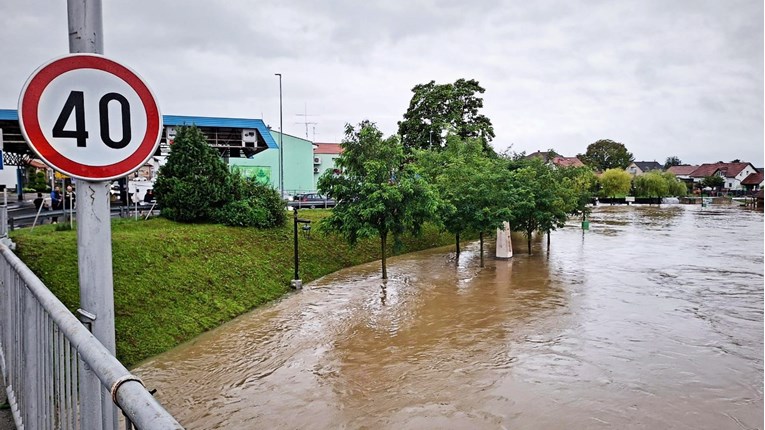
[(638, 168), (753, 182), (556, 160), (732, 173), (324, 158), (683, 173)]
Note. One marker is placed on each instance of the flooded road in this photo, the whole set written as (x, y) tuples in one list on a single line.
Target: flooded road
[(652, 319)]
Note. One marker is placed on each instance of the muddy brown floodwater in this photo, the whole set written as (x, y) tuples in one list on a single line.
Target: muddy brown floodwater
[(651, 319)]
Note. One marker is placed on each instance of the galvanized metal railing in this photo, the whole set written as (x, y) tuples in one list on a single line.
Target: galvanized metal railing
[(49, 359)]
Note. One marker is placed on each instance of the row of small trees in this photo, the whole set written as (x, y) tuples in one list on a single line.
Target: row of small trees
[(385, 190), (618, 182)]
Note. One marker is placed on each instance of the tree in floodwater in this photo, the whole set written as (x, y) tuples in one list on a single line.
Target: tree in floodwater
[(540, 202), (615, 182), (435, 109), (473, 187), (651, 184), (659, 184), (577, 187), (377, 192)]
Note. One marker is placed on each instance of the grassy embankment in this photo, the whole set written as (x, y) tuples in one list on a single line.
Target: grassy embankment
[(174, 281)]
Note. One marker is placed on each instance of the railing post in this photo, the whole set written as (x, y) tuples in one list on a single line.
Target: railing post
[(29, 348)]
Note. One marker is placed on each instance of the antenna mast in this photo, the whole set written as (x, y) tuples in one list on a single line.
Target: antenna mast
[(306, 122)]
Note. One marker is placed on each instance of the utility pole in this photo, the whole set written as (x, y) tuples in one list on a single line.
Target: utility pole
[(281, 140), (94, 233)]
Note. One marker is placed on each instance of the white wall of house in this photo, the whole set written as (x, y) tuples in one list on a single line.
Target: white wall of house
[(322, 163), (734, 183)]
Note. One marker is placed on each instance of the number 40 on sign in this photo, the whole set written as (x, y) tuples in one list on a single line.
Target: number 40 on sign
[(89, 117)]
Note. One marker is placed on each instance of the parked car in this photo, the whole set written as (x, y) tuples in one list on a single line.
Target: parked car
[(312, 201)]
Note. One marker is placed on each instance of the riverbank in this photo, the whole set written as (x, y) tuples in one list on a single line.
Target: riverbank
[(175, 281)]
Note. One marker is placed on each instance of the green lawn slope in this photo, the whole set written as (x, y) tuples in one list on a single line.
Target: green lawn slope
[(174, 281)]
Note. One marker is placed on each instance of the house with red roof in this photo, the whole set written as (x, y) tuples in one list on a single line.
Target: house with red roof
[(753, 182), (550, 157), (682, 171), (324, 156), (732, 173)]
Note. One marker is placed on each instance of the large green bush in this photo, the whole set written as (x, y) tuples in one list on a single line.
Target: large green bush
[(195, 182), (195, 185), (253, 205)]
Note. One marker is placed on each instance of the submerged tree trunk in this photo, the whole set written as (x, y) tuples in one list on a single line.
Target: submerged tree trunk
[(548, 240), (457, 237), (480, 235), (383, 242), (528, 239)]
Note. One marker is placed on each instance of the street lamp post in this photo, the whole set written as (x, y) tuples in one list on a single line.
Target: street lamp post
[(281, 139)]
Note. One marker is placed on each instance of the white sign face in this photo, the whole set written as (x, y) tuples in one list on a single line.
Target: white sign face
[(89, 117)]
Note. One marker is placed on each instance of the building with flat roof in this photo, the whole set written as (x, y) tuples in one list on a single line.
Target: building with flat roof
[(248, 144)]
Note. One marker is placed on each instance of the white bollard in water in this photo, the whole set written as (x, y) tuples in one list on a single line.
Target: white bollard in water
[(504, 242)]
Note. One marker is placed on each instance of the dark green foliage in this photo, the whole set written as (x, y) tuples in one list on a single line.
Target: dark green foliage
[(38, 182), (473, 188), (253, 205), (606, 154), (377, 193), (672, 161), (713, 181), (195, 185), (195, 182), (541, 202), (436, 110)]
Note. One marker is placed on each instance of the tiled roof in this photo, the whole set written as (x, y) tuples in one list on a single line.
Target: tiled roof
[(567, 162), (729, 170), (545, 156), (682, 170), (328, 148), (646, 166), (753, 179)]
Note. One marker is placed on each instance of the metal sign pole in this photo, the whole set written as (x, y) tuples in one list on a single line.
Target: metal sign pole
[(94, 234)]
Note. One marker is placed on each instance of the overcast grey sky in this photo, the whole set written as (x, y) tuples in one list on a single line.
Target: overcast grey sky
[(665, 78)]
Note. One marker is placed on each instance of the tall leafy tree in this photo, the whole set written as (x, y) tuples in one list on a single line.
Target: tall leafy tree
[(540, 202), (438, 109), (195, 182), (677, 187), (672, 161), (658, 184), (473, 188), (606, 154), (582, 183), (615, 182), (377, 192), (651, 184), (713, 181)]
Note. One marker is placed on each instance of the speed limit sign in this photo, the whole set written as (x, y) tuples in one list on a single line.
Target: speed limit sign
[(89, 117)]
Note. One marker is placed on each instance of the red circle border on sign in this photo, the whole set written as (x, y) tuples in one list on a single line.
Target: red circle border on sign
[(30, 125)]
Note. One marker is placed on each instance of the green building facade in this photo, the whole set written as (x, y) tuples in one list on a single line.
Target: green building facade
[(298, 165)]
